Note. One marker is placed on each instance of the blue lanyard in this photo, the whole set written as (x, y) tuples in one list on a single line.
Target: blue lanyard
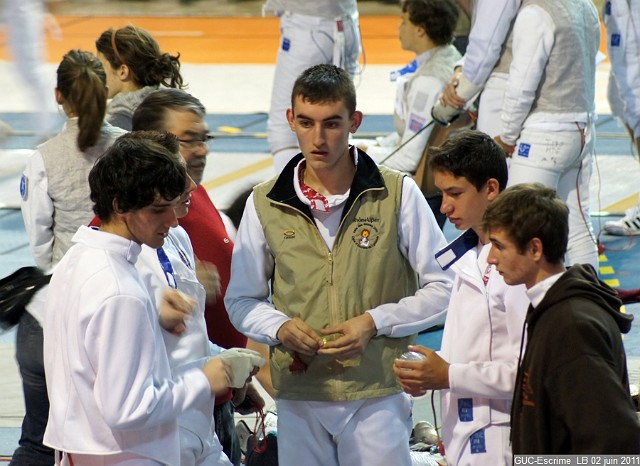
[(167, 268)]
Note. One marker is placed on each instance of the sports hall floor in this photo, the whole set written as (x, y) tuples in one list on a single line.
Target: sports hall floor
[(228, 53)]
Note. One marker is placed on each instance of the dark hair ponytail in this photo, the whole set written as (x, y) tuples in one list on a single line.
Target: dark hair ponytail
[(136, 48), (81, 81)]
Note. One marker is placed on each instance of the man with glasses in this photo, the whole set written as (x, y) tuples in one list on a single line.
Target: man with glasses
[(181, 114)]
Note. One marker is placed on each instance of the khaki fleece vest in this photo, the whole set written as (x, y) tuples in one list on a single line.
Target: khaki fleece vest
[(322, 287)]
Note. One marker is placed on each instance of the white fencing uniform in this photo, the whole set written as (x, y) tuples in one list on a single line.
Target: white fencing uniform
[(107, 370), (549, 108), (622, 21), (481, 342), (199, 444), (23, 21), (311, 33), (416, 94)]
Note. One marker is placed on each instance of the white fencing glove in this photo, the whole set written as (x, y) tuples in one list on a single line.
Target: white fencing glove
[(467, 91), (242, 362)]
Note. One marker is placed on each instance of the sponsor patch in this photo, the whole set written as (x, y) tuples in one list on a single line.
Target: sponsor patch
[(524, 149), (477, 442), (615, 40), (286, 44), (24, 183), (607, 8), (465, 409)]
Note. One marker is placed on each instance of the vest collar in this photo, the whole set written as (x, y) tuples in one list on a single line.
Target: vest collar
[(367, 176)]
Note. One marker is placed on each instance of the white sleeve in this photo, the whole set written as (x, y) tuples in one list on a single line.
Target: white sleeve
[(623, 45), (420, 238), (422, 96), (247, 296), (37, 211), (125, 386), (491, 23), (533, 40), (495, 378)]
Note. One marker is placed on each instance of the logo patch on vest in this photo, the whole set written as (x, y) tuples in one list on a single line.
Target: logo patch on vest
[(365, 236), (289, 234)]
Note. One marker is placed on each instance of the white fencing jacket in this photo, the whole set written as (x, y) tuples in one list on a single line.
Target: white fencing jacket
[(481, 342), (106, 364)]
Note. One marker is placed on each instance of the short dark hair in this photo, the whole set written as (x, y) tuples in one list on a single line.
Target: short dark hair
[(138, 166), (531, 210), (150, 113), (438, 18), (473, 155), (325, 83)]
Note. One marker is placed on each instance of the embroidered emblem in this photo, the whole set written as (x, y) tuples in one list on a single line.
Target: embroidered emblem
[(607, 8), (365, 236), (24, 182), (524, 149), (289, 234), (286, 44)]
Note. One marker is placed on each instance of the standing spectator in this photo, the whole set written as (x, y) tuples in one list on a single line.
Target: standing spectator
[(135, 66), (622, 21), (311, 32), (181, 114), (55, 202), (475, 369), (572, 387), (344, 250), (549, 108)]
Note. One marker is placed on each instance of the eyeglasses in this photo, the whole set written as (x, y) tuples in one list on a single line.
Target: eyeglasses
[(196, 143)]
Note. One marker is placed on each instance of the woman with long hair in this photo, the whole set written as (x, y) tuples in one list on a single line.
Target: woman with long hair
[(135, 66)]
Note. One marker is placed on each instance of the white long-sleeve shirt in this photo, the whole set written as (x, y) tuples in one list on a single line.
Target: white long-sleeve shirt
[(108, 375), (247, 297)]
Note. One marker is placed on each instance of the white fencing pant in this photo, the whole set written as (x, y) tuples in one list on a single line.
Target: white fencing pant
[(25, 30), (305, 41), (561, 160), (372, 432)]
